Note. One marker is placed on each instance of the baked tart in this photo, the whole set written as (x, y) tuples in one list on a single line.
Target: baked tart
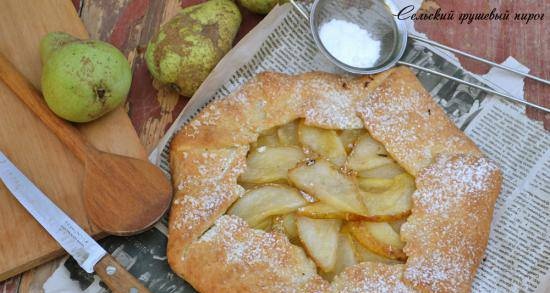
[(323, 183)]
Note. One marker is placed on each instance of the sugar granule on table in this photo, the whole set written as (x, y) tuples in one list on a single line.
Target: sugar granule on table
[(349, 43)]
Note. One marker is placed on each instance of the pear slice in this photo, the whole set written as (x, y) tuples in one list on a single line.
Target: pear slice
[(345, 256), (362, 254), (286, 224), (349, 137), (393, 204), (320, 239), (387, 171), (321, 210), (367, 154), (375, 184), (324, 142), (379, 238), (269, 164), (267, 138), (396, 225), (258, 204), (265, 224), (248, 186), (322, 180), (288, 134)]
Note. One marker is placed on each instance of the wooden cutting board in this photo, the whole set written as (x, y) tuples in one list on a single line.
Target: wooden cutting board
[(36, 151)]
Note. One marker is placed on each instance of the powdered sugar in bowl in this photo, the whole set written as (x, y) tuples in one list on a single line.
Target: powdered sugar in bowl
[(364, 37), (360, 36)]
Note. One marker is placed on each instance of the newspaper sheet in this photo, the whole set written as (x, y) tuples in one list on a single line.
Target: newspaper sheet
[(518, 255)]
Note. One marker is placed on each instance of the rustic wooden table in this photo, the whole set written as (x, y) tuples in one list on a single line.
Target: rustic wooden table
[(129, 24)]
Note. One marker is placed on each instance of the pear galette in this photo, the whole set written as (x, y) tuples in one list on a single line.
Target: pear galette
[(321, 183)]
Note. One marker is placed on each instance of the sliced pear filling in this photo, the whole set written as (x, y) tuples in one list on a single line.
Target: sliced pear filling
[(323, 142), (367, 154), (363, 253), (257, 205), (288, 134), (345, 255), (321, 210), (320, 239), (392, 204), (375, 184), (286, 224), (322, 180), (266, 138), (361, 196), (349, 137), (387, 171), (269, 164), (379, 238)]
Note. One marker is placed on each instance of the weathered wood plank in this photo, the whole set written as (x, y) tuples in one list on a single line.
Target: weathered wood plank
[(10, 285)]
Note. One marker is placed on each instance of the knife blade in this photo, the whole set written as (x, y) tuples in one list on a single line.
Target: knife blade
[(83, 248)]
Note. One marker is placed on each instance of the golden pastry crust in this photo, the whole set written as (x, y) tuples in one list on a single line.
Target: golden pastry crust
[(209, 153), (401, 114), (206, 187), (447, 231), (371, 277), (231, 257)]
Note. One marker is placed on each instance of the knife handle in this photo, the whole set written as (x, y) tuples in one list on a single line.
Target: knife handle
[(117, 278)]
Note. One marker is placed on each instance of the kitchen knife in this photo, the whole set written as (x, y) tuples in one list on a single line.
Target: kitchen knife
[(83, 248)]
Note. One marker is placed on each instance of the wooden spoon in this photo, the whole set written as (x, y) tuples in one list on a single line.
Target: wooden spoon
[(122, 195)]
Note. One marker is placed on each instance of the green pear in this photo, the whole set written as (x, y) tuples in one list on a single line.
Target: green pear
[(260, 6), (83, 80), (189, 46), (53, 41)]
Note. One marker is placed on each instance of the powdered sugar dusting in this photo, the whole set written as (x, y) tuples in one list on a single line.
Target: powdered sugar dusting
[(447, 230), (331, 105), (216, 173), (390, 118), (199, 207), (371, 277), (245, 247), (227, 231), (412, 126), (448, 266), (460, 177)]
